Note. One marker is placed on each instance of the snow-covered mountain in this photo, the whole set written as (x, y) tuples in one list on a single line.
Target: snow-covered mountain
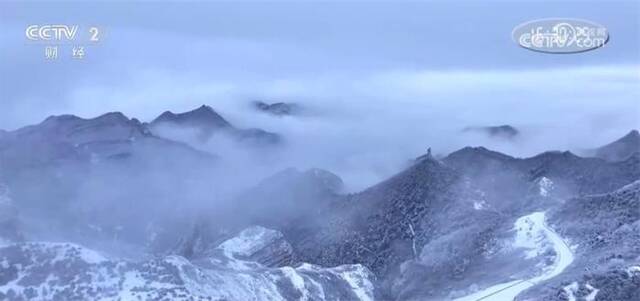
[(289, 197), (139, 215), (450, 218), (605, 231), (64, 271)]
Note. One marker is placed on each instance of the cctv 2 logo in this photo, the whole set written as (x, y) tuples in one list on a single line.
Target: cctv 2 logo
[(58, 32)]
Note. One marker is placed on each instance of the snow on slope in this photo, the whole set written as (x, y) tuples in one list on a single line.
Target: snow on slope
[(592, 295), (632, 270), (570, 291), (249, 241), (534, 235), (545, 186), (63, 271)]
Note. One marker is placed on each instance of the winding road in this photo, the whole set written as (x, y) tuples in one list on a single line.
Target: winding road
[(509, 290)]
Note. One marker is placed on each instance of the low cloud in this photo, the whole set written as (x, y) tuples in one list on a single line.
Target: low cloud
[(366, 127)]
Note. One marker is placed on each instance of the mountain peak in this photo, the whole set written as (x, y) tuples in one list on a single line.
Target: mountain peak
[(555, 154), (479, 151), (206, 121), (61, 118), (203, 116), (204, 109), (277, 108), (113, 116), (621, 148), (65, 118), (498, 131), (427, 156), (632, 134)]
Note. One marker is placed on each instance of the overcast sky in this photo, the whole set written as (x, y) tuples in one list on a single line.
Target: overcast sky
[(384, 70)]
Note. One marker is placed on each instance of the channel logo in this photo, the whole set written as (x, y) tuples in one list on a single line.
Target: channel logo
[(51, 32)]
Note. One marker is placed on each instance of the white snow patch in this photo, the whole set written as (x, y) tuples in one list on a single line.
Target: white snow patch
[(249, 241), (132, 281), (66, 251), (570, 291), (530, 234), (479, 205), (215, 279), (91, 256), (592, 295), (545, 186), (356, 277), (633, 270), (296, 280)]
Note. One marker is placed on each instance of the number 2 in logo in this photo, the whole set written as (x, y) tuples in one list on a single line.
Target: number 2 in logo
[(94, 34)]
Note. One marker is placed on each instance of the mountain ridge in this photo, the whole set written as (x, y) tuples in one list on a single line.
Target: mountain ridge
[(620, 149), (437, 229), (207, 123)]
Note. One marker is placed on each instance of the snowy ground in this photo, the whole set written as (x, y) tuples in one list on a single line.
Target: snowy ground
[(533, 234), (65, 271)]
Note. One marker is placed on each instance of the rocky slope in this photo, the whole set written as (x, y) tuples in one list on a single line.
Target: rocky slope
[(438, 230), (62, 271), (391, 223), (605, 231), (62, 173), (620, 149), (573, 175), (289, 198), (288, 195), (464, 204)]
